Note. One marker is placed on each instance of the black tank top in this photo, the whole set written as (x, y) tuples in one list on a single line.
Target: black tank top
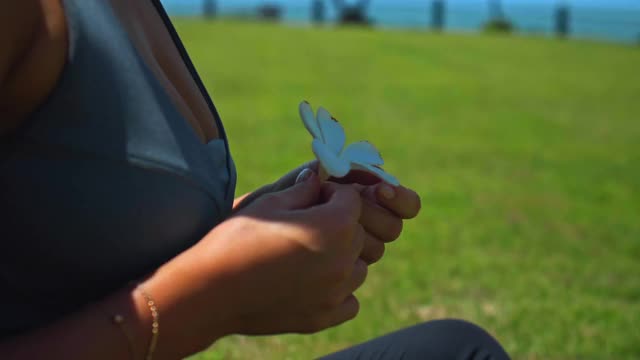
[(105, 182)]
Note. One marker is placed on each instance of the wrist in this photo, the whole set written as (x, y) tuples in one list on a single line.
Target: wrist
[(192, 304)]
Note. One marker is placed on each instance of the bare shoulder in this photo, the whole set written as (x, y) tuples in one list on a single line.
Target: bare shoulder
[(33, 48)]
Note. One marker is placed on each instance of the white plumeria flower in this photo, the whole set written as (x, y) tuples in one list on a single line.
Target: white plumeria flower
[(328, 146)]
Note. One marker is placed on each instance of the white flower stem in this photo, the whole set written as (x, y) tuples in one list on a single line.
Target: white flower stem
[(322, 173)]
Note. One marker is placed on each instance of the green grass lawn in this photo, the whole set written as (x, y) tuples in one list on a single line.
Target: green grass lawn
[(526, 152)]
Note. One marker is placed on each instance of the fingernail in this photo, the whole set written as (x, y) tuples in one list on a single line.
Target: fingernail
[(304, 176), (387, 192)]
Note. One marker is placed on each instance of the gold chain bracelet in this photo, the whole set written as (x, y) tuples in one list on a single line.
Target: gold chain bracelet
[(120, 322), (155, 325)]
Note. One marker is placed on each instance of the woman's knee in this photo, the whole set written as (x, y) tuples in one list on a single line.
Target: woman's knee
[(434, 340), (459, 339), (452, 327)]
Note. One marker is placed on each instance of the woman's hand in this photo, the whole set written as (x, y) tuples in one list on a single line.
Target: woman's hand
[(384, 207), (288, 263), (285, 182), (315, 242)]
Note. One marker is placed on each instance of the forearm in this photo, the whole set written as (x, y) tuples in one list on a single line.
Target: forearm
[(90, 333), (87, 334)]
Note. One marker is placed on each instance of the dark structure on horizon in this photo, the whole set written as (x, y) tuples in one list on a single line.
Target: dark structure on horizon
[(438, 15), (353, 14), (209, 8), (562, 19), (317, 11), (495, 10), (497, 21), (270, 12)]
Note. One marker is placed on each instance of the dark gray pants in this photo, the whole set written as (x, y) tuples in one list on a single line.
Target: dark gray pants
[(435, 340)]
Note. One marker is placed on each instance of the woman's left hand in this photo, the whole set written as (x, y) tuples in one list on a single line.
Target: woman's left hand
[(285, 182), (384, 207), (383, 211)]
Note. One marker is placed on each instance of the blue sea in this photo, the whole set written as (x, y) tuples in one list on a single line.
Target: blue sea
[(614, 20)]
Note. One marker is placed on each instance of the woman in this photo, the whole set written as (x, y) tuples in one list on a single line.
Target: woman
[(115, 167)]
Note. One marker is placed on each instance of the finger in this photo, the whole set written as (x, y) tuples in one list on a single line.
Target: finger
[(380, 222), (343, 305), (289, 179), (304, 194), (346, 311), (373, 250), (351, 283), (358, 276), (360, 240), (342, 201), (334, 221), (403, 202)]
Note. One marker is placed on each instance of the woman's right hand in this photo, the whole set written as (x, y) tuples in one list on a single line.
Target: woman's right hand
[(289, 262)]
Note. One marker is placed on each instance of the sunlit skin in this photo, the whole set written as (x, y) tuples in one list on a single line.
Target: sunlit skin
[(289, 259), (384, 206)]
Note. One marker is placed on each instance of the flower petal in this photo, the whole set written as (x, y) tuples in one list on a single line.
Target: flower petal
[(334, 165), (363, 152), (332, 132), (385, 176), (309, 120)]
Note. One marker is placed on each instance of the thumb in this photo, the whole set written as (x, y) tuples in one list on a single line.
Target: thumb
[(304, 194)]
